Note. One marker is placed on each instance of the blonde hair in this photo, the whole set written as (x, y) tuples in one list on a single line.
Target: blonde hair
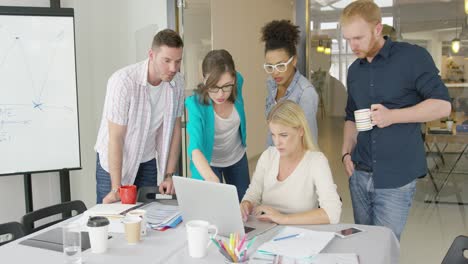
[(365, 9), (290, 114)]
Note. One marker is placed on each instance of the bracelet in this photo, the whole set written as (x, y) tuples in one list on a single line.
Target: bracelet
[(344, 155), (168, 175)]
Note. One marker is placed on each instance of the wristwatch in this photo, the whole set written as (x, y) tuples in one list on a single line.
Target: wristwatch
[(115, 190), (169, 174)]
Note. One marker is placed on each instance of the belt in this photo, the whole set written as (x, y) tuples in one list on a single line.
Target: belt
[(362, 167)]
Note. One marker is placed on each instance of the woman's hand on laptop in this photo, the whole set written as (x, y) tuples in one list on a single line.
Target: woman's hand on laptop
[(246, 208), (269, 214)]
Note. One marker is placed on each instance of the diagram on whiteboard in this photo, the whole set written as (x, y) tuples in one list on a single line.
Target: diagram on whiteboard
[(38, 98)]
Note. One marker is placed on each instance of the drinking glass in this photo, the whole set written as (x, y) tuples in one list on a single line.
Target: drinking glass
[(72, 243)]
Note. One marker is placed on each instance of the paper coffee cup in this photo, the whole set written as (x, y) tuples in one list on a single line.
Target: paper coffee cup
[(98, 228), (132, 228), (142, 214)]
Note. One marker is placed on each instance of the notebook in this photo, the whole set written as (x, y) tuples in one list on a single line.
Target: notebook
[(296, 242)]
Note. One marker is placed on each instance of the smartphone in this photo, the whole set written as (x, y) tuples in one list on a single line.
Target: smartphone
[(348, 232)]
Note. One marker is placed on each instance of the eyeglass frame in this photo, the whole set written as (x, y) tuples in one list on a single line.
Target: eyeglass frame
[(275, 66), (222, 88)]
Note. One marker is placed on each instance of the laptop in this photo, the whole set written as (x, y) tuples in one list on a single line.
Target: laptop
[(216, 203)]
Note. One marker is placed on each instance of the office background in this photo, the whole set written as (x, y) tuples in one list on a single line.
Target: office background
[(113, 33)]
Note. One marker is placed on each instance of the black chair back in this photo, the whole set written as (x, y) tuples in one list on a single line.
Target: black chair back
[(10, 231), (65, 209), (455, 254)]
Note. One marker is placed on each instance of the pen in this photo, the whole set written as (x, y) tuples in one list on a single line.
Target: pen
[(241, 243), (231, 241), (226, 248), (216, 243), (251, 242), (286, 237), (226, 255)]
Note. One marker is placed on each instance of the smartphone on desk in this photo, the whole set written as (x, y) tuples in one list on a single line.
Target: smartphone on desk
[(349, 232)]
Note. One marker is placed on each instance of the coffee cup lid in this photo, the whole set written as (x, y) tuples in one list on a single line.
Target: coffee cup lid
[(97, 221)]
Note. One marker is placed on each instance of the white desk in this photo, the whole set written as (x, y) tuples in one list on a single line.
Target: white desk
[(377, 245)]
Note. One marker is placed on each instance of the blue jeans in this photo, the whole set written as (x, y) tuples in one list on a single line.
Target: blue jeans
[(236, 174), (146, 176), (382, 207)]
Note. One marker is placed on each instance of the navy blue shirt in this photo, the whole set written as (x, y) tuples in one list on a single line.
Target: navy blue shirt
[(401, 75)]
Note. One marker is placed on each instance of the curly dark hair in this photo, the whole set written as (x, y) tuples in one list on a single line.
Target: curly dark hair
[(281, 34)]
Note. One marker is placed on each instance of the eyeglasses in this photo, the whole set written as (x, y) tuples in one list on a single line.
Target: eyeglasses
[(280, 67), (225, 88)]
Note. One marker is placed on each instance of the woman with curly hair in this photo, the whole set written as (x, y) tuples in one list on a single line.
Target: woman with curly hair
[(285, 81)]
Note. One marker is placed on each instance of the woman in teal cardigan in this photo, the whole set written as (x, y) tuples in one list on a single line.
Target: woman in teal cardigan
[(216, 124)]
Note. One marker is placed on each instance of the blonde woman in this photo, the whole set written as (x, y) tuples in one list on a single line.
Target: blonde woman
[(292, 183)]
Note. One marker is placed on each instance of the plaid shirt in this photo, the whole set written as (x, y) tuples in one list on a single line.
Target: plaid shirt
[(128, 104)]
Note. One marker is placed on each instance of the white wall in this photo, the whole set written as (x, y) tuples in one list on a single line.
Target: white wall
[(109, 35)]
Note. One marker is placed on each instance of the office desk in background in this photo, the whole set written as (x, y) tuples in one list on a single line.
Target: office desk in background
[(377, 245), (447, 139)]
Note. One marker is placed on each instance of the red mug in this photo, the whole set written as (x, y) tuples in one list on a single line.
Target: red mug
[(128, 194)]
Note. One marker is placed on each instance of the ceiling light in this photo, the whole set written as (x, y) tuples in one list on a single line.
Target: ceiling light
[(327, 49), (320, 47), (456, 45)]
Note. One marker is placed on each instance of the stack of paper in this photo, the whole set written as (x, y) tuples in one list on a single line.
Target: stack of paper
[(160, 216), (297, 243)]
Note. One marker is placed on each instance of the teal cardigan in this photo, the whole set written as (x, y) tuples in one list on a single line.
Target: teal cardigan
[(201, 125)]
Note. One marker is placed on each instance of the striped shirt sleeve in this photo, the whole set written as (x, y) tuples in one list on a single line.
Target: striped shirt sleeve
[(117, 103)]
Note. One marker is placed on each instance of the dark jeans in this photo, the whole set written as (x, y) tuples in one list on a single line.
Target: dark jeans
[(146, 176), (236, 174)]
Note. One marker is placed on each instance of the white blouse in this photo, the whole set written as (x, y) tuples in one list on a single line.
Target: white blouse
[(310, 185)]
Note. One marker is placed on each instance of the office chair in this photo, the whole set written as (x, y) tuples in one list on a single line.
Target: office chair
[(10, 231), (65, 209), (455, 254)]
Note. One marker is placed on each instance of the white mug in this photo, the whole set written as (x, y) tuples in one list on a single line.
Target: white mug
[(198, 238), (362, 119)]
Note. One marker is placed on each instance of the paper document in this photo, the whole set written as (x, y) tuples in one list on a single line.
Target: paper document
[(332, 258), (109, 209), (160, 216), (322, 258), (297, 242)]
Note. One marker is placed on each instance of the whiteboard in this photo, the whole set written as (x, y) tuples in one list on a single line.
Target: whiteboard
[(39, 128)]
